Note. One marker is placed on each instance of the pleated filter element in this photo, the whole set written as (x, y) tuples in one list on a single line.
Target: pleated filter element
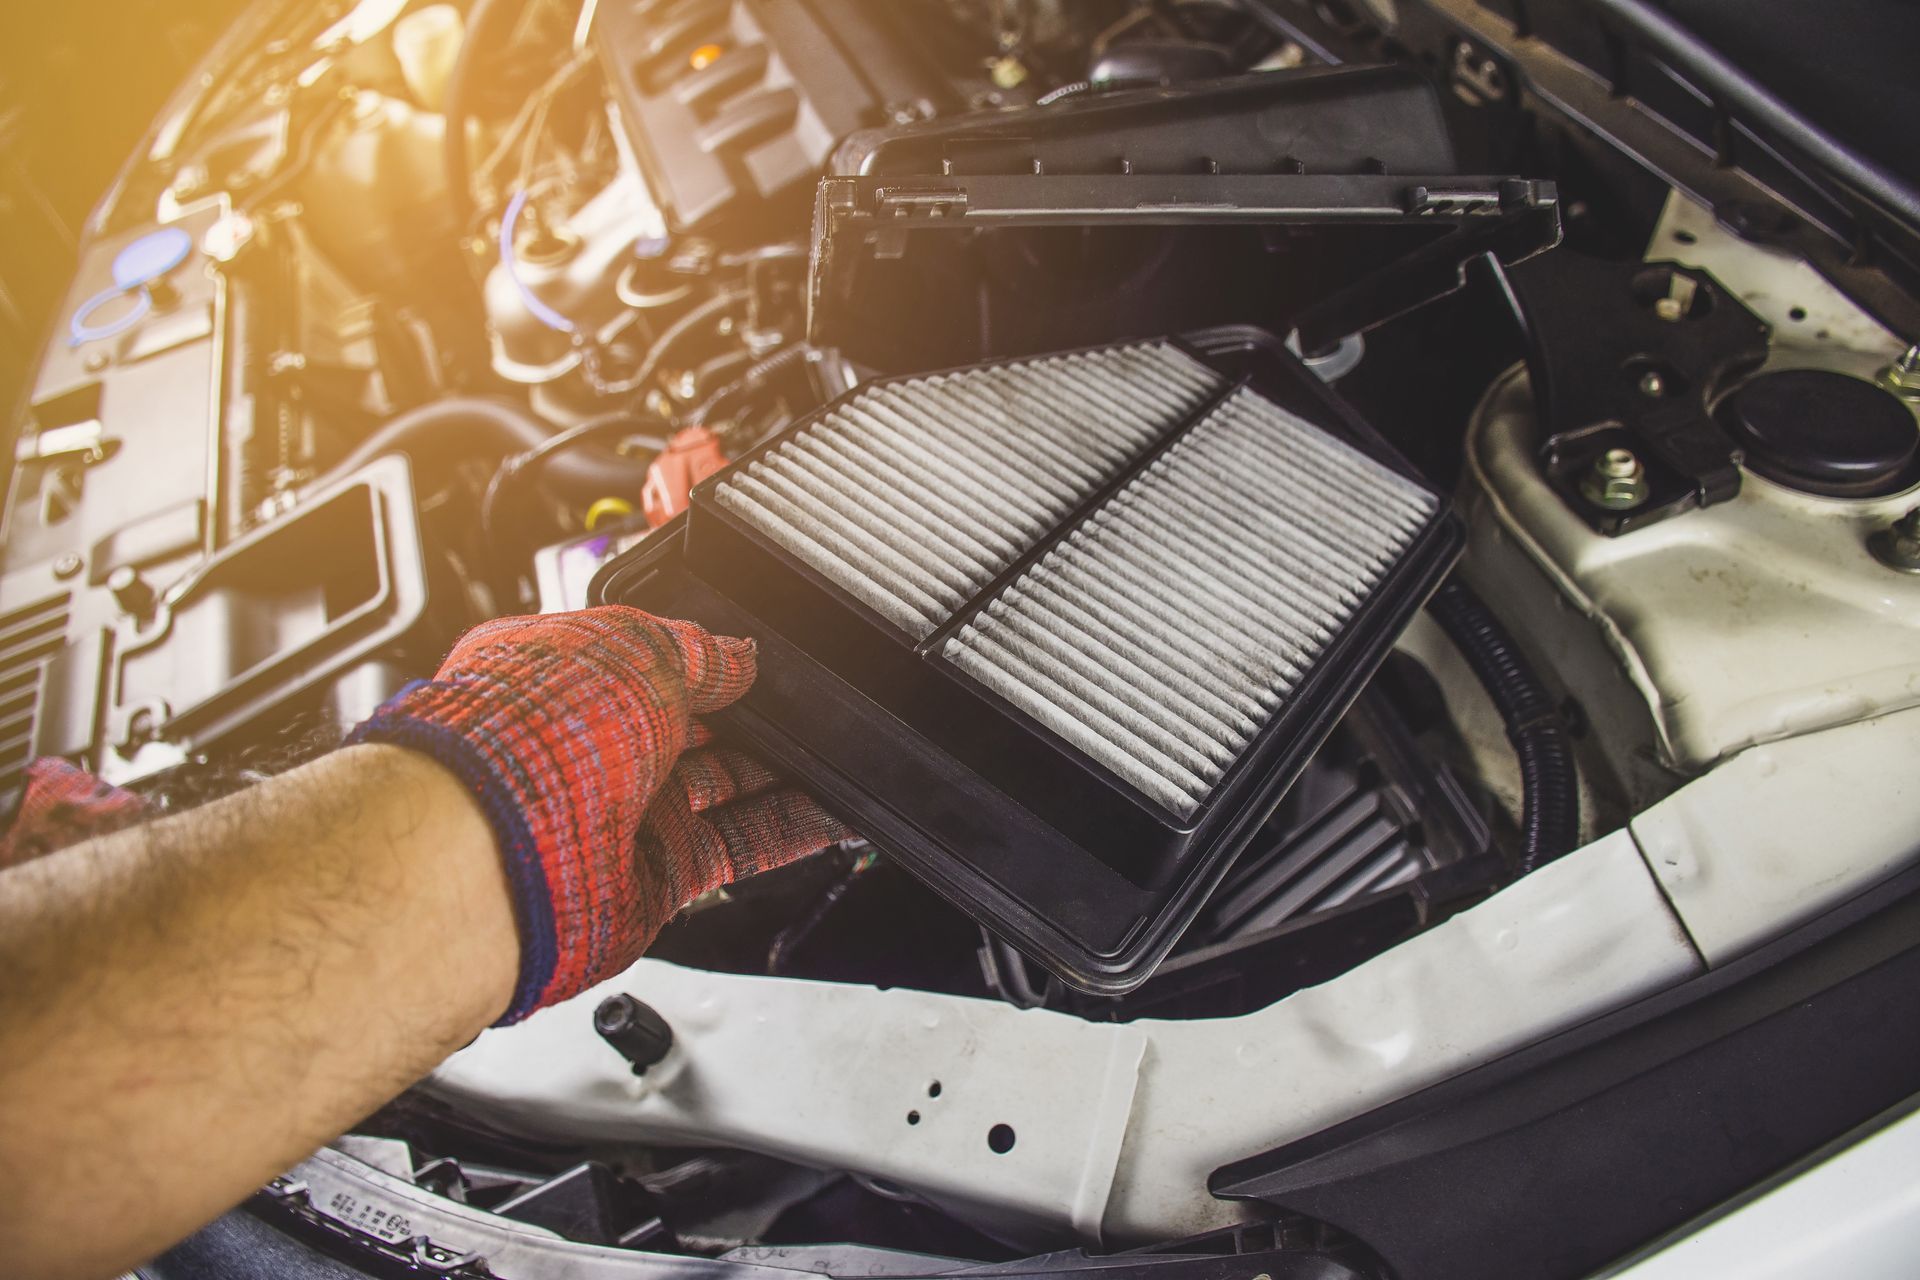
[(1057, 633), (1163, 632), (913, 496)]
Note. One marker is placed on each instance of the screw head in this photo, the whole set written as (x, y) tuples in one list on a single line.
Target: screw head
[(68, 565)]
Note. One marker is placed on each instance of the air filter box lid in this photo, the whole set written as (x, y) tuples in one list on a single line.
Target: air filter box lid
[(1058, 633), (1320, 200)]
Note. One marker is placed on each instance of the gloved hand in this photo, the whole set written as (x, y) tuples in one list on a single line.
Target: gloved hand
[(62, 804), (568, 729)]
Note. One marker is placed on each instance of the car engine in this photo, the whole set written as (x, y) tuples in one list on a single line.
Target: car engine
[(1607, 686)]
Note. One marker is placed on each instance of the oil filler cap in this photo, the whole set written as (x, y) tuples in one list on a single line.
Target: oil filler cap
[(1825, 433)]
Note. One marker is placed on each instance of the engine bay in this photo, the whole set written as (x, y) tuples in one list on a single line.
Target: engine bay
[(1605, 678)]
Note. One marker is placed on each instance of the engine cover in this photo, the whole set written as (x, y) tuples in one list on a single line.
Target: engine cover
[(732, 104)]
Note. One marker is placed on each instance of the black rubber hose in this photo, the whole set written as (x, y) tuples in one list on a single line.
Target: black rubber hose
[(1549, 784), (446, 431), (482, 20)]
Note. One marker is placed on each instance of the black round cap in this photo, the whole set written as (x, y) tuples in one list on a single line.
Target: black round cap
[(1824, 432), (640, 1035)]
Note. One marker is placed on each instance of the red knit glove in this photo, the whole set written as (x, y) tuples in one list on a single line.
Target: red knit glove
[(567, 729), (62, 804)]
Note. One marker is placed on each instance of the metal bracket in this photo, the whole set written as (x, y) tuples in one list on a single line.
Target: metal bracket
[(1626, 361)]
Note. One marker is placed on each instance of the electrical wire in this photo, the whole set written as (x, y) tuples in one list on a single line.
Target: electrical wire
[(510, 263), (669, 337), (1549, 779), (532, 115), (751, 379), (625, 425)]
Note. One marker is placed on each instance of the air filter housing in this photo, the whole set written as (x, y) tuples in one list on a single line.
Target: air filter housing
[(1057, 632)]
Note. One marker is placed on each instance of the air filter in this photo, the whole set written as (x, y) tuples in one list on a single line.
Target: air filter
[(1058, 632)]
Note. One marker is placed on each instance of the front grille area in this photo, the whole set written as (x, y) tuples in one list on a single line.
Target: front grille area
[(28, 637)]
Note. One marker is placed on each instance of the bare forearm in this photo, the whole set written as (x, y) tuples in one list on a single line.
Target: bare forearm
[(192, 1005)]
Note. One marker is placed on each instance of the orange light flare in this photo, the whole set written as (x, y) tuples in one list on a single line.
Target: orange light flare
[(705, 56)]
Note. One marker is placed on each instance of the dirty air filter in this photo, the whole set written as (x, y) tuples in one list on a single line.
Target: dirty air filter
[(1059, 631)]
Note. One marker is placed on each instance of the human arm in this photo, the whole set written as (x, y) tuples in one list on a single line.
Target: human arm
[(190, 1006)]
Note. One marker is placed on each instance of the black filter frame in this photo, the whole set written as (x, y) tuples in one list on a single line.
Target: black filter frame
[(1020, 830)]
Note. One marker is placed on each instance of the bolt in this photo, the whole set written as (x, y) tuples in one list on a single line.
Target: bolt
[(1898, 545), (1618, 464), (1616, 481), (1652, 385), (68, 565), (1007, 72), (1902, 377)]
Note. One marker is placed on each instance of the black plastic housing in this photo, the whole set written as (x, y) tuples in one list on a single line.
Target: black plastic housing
[(735, 105), (1016, 827), (1324, 201)]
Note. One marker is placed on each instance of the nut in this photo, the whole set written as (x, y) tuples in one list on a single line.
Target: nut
[(1616, 480), (1902, 377), (1007, 72), (1898, 545)]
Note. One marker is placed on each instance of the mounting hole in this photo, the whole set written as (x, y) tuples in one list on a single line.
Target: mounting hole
[(1797, 313), (1000, 1139), (1685, 236), (913, 1117), (933, 1090)]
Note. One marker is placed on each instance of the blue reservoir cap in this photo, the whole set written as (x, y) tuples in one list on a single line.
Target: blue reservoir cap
[(150, 257)]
